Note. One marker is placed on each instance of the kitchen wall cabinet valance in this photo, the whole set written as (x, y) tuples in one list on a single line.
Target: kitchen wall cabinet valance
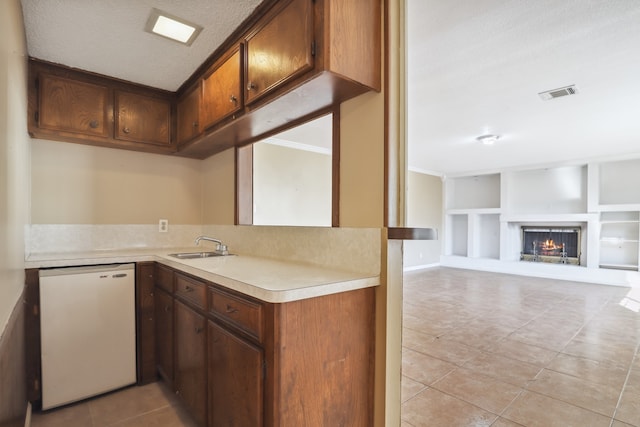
[(75, 106)]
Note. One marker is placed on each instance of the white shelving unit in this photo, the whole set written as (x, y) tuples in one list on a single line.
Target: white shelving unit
[(619, 240), (484, 215)]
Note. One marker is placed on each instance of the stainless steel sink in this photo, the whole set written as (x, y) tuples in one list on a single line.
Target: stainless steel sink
[(192, 255)]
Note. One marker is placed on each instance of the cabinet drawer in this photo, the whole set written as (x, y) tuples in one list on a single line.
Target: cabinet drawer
[(191, 290), (240, 312), (164, 278)]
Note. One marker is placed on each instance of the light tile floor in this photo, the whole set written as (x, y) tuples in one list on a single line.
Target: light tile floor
[(152, 405), (479, 349), (486, 349)]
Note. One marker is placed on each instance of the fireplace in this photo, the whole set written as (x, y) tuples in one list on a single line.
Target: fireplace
[(551, 244)]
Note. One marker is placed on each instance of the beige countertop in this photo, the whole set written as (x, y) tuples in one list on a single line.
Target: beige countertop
[(269, 280)]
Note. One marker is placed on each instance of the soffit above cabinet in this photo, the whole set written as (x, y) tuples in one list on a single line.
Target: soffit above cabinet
[(108, 37)]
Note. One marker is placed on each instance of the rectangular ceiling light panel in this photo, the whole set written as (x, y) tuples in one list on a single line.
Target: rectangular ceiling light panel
[(172, 27)]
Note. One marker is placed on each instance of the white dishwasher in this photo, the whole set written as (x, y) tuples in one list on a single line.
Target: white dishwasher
[(87, 331)]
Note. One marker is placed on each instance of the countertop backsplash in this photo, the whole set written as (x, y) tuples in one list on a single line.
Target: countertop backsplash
[(352, 249), (61, 238)]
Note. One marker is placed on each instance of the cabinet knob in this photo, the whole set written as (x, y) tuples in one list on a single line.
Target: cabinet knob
[(198, 329), (126, 130), (195, 124), (93, 124), (231, 309), (251, 86), (233, 99), (167, 308), (188, 289)]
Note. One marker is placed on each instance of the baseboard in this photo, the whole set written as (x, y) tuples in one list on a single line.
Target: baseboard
[(421, 267), (27, 417)]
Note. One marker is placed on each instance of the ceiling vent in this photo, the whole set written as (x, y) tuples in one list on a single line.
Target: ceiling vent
[(558, 93)]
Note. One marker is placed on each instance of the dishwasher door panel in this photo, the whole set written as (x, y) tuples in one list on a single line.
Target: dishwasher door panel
[(87, 332)]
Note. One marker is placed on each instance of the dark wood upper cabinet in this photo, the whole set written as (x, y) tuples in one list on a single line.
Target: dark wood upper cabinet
[(288, 61), (142, 118), (301, 56), (280, 49), (188, 112), (222, 93), (65, 104), (72, 106)]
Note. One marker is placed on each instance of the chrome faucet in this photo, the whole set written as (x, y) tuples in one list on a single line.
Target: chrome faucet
[(221, 248)]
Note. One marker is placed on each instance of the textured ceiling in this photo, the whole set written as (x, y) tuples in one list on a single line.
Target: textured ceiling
[(477, 66), (108, 37)]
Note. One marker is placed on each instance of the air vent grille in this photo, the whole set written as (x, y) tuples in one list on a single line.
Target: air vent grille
[(558, 93)]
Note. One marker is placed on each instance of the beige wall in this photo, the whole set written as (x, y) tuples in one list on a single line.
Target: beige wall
[(424, 209), (291, 186), (362, 161), (80, 184), (218, 188), (14, 157)]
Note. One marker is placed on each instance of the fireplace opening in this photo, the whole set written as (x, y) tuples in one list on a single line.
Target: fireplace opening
[(551, 244)]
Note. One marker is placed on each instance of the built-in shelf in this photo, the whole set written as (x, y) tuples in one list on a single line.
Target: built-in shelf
[(484, 215)]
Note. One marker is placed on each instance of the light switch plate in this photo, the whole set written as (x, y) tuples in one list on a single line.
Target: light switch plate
[(163, 225)]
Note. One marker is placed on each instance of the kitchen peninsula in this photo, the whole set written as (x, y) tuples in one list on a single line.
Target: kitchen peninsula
[(244, 337)]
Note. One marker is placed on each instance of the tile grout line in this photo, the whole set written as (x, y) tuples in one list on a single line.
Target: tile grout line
[(624, 386)]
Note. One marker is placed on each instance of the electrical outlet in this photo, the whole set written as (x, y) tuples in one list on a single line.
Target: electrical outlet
[(163, 225)]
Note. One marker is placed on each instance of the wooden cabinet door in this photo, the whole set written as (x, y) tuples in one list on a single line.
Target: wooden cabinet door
[(142, 118), (145, 323), (222, 91), (72, 106), (189, 115), (190, 363), (280, 49), (164, 334), (235, 380)]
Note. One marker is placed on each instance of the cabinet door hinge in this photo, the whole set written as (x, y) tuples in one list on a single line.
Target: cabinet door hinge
[(313, 48)]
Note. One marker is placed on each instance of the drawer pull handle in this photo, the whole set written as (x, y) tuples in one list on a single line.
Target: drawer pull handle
[(188, 289), (233, 99), (93, 124), (231, 309), (126, 130)]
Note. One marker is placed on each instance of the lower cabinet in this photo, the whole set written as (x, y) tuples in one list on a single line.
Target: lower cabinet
[(164, 334), (236, 361), (235, 379), (191, 362)]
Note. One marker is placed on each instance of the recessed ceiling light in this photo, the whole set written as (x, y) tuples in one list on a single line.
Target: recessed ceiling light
[(172, 27), (488, 139)]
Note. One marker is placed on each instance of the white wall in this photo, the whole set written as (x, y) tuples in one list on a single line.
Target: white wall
[(290, 186), (424, 209), (14, 156)]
